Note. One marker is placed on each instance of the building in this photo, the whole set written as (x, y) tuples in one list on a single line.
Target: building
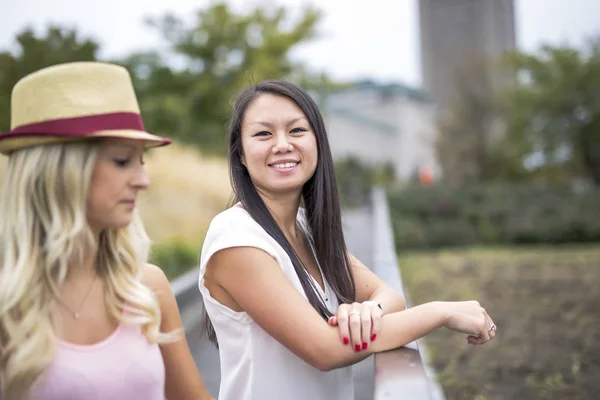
[(380, 124), (458, 36)]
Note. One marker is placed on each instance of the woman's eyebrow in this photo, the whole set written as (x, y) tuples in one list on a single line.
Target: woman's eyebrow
[(270, 125)]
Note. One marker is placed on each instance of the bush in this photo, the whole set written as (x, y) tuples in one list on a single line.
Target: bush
[(356, 177), (443, 216), (175, 257)]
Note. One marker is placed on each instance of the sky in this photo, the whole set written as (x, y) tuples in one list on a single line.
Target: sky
[(379, 42)]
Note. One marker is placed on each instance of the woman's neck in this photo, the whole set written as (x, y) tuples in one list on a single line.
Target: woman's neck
[(84, 268), (82, 271), (284, 210)]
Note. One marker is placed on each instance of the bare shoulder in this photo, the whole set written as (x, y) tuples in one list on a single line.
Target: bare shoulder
[(154, 277)]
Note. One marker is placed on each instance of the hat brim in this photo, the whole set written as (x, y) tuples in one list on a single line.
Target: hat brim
[(17, 142)]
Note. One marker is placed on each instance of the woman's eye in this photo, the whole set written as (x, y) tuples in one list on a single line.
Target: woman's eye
[(121, 162), (262, 133), (298, 130)]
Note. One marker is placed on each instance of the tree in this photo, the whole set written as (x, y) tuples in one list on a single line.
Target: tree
[(553, 111), (221, 53), (354, 180), (468, 126), (33, 52)]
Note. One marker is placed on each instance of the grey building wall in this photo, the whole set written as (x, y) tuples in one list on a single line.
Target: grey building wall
[(383, 123), (455, 34)]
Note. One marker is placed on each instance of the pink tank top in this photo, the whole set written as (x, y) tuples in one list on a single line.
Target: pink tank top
[(123, 366)]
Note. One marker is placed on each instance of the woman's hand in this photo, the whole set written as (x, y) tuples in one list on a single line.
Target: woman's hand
[(358, 323), (470, 318)]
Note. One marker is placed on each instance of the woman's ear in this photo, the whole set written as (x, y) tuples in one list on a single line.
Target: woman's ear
[(243, 160)]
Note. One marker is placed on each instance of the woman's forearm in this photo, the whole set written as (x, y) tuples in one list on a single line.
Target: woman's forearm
[(403, 327), (399, 329)]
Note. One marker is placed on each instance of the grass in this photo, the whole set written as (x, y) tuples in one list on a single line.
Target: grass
[(187, 190), (546, 304)]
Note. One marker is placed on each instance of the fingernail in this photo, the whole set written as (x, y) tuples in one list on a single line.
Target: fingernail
[(365, 345), (357, 347), (346, 341), (373, 337)]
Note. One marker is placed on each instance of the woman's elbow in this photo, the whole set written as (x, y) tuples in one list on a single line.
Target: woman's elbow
[(328, 359), (320, 358), (321, 361), (402, 304), (327, 353), (323, 365)]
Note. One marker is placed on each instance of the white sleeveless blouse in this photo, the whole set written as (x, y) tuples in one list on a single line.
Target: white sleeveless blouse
[(253, 364)]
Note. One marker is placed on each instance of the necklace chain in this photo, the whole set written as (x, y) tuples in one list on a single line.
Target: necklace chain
[(77, 314)]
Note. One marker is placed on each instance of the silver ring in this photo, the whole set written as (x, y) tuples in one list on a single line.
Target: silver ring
[(492, 326), (353, 312)]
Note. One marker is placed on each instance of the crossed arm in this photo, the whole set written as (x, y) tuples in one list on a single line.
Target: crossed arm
[(374, 297), (248, 279)]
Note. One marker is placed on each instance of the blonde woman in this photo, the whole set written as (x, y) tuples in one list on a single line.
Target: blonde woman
[(82, 315)]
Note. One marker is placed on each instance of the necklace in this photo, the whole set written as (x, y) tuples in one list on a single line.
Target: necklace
[(77, 314)]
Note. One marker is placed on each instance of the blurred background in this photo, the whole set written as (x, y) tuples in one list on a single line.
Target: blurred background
[(479, 118)]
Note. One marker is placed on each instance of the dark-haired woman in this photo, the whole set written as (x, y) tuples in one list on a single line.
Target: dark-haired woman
[(292, 310)]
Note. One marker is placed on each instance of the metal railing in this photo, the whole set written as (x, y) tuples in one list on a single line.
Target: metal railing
[(400, 373), (185, 289)]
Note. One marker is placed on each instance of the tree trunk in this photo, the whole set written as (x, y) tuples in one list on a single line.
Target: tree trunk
[(590, 152)]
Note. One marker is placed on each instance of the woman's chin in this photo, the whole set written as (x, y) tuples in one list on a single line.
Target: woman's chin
[(283, 190)]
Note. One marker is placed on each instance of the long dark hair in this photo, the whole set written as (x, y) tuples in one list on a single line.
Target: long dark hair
[(320, 196)]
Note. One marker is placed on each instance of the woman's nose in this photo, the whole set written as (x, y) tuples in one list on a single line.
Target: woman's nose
[(282, 144)]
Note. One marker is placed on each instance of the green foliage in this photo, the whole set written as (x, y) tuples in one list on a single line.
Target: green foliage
[(553, 111), (440, 215), (175, 257), (33, 52), (355, 179), (467, 127), (222, 52), (186, 93), (542, 122)]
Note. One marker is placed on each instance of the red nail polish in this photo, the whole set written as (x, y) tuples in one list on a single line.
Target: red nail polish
[(346, 341), (373, 337), (365, 345), (357, 347)]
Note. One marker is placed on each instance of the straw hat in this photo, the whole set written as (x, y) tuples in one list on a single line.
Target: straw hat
[(75, 101)]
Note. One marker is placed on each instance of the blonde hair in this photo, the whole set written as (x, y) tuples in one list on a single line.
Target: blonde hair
[(43, 230)]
